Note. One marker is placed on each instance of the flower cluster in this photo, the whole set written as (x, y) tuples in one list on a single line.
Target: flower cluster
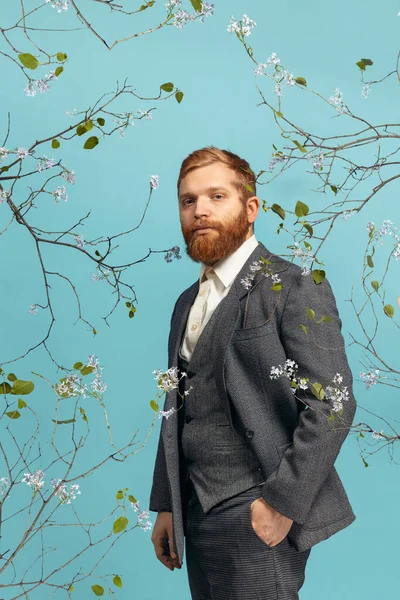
[(3, 153), (243, 27), (33, 309), (305, 256), (347, 214), (44, 163), (69, 176), (145, 114), (387, 228), (182, 17), (36, 479), (277, 157), (255, 267), (72, 385), (3, 196), (365, 90), (143, 517), (168, 380), (370, 378), (279, 74), (378, 435), (4, 485), (317, 160), (63, 494), (39, 85), (172, 253), (154, 182), (22, 153), (80, 241), (60, 5), (336, 393), (337, 100), (60, 193), (100, 275)]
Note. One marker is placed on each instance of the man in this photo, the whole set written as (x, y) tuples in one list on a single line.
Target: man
[(245, 463)]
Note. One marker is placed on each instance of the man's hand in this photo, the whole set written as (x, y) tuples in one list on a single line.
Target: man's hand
[(162, 534), (269, 524)]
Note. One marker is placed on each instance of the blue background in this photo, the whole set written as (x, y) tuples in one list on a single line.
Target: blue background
[(318, 41)]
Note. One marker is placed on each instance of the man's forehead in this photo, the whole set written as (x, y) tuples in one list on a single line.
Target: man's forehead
[(213, 184)]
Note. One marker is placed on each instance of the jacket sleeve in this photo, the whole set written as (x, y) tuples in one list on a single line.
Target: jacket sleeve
[(159, 497), (320, 355)]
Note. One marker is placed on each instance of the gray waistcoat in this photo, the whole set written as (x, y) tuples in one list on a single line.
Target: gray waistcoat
[(216, 457)]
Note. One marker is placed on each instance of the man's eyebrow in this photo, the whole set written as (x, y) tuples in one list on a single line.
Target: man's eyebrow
[(207, 190)]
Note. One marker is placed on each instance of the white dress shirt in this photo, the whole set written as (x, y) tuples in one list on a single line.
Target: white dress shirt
[(214, 284)]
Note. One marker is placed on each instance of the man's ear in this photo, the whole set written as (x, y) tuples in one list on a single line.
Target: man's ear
[(253, 206)]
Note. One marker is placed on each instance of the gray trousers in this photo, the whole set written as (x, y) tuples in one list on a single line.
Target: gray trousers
[(226, 560)]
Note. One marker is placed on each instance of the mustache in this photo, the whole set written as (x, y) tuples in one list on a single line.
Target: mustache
[(197, 225)]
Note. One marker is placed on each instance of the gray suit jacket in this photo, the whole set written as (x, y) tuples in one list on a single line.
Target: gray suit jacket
[(295, 441)]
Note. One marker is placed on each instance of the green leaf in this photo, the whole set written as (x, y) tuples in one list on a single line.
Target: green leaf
[(22, 387), (276, 287), (278, 210), (71, 588), (361, 65), (301, 81), (389, 310), (318, 275), (91, 143), (365, 462), (61, 56), (248, 187), (101, 121), (326, 319), (304, 328), (167, 87), (4, 169), (278, 114), (375, 285), (117, 581), (310, 313), (132, 498), (5, 387), (318, 390), (197, 5), (29, 61), (301, 209), (307, 245), (81, 130), (120, 495), (21, 403), (65, 422), (120, 524), (87, 369), (132, 312), (309, 228), (179, 96), (367, 61), (154, 405), (361, 434), (58, 71), (300, 147), (55, 144), (89, 125), (78, 365), (12, 377), (98, 590), (14, 414), (334, 189), (370, 261)]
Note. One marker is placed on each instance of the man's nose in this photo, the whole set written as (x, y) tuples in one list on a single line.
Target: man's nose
[(202, 207)]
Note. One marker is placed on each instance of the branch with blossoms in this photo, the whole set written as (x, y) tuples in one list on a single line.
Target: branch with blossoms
[(41, 487), (22, 48), (95, 125), (328, 159), (168, 381)]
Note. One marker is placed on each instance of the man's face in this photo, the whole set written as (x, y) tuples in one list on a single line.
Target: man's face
[(207, 197)]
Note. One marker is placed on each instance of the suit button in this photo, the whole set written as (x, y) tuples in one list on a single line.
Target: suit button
[(249, 433), (188, 418)]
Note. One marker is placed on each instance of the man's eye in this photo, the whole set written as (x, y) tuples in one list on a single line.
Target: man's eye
[(220, 195)]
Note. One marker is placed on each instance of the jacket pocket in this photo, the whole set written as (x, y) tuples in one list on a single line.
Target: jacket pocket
[(253, 332)]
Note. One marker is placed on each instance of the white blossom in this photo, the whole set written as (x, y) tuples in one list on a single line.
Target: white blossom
[(277, 157), (370, 378), (172, 253), (63, 494), (143, 517), (154, 182), (4, 485), (36, 479), (60, 5), (71, 113), (347, 214), (366, 90), (166, 413), (168, 380), (33, 309), (44, 163), (80, 241), (377, 435), (3, 154), (337, 100), (3, 196), (60, 193), (100, 275), (69, 176), (22, 153), (243, 27), (145, 114)]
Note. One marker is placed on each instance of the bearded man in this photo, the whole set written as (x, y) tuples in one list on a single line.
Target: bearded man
[(244, 478)]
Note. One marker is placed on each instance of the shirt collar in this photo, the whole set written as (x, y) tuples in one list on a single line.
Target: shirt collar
[(227, 268)]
